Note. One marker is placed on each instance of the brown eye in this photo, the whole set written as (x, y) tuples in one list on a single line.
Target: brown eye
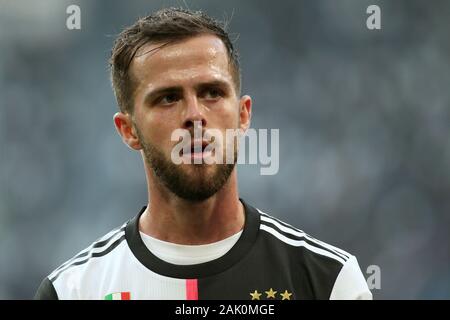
[(213, 94), (169, 98)]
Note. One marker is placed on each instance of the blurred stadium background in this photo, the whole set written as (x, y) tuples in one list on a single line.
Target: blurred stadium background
[(364, 122)]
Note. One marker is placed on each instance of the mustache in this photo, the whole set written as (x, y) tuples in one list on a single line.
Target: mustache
[(206, 135)]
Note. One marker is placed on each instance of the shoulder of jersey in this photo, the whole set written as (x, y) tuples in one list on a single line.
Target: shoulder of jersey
[(297, 238), (99, 248)]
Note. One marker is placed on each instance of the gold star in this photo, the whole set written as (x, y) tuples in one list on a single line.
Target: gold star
[(271, 293), (255, 295), (286, 295)]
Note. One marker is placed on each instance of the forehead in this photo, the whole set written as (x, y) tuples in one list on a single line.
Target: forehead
[(203, 57)]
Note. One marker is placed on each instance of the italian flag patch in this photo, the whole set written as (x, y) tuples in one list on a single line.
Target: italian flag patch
[(118, 296)]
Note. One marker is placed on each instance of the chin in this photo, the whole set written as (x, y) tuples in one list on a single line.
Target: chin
[(200, 172)]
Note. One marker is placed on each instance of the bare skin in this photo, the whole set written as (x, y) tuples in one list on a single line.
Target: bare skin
[(201, 89)]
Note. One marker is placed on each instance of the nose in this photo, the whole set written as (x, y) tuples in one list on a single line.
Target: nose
[(193, 112)]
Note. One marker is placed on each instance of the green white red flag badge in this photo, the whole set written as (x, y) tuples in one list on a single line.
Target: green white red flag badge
[(118, 296)]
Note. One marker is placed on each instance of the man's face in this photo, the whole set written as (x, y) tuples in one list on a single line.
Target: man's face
[(177, 85)]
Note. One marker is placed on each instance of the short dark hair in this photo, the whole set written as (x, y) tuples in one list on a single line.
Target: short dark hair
[(163, 26)]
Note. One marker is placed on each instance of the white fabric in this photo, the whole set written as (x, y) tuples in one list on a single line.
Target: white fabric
[(118, 271), (189, 254), (350, 283)]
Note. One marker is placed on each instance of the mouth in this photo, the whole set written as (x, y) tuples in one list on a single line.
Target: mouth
[(197, 150)]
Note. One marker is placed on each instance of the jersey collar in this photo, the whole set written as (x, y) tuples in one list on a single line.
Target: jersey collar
[(234, 255)]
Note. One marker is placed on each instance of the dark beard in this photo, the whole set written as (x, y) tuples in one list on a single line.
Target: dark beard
[(195, 187)]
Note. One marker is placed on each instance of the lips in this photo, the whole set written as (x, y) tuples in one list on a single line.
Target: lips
[(198, 147)]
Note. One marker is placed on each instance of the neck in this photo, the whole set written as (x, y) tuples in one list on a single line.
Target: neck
[(170, 218)]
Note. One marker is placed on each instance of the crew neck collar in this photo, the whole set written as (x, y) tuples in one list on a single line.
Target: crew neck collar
[(155, 264)]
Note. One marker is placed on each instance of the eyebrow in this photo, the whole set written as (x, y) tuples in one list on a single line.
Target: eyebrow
[(150, 96)]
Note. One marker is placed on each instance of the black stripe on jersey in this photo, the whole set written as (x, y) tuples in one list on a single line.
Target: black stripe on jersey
[(93, 255), (294, 237), (95, 245), (338, 252), (46, 291), (309, 239), (208, 269)]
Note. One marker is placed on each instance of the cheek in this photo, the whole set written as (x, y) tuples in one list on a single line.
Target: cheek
[(224, 111), (229, 117), (159, 127)]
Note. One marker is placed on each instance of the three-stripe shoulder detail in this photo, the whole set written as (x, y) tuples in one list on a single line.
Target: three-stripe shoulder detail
[(98, 248), (297, 238)]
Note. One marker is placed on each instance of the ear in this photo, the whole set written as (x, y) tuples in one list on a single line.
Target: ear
[(245, 112), (125, 128)]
